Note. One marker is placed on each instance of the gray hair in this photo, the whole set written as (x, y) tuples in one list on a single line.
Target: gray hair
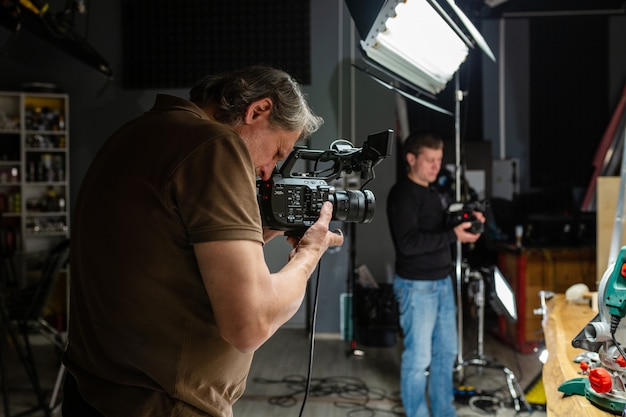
[(232, 92)]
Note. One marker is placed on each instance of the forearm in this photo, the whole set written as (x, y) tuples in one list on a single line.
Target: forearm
[(248, 301), (290, 282)]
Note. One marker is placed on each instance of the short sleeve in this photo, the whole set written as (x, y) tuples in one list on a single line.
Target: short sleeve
[(214, 190)]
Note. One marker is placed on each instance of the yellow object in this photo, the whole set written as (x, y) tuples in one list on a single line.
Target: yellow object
[(536, 394), (29, 5)]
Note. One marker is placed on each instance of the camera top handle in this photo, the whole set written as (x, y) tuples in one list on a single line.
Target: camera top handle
[(377, 147)]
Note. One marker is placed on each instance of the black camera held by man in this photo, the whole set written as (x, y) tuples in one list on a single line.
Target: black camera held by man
[(464, 212), (291, 201)]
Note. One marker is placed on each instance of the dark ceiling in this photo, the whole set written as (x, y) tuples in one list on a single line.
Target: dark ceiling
[(529, 8), (57, 27)]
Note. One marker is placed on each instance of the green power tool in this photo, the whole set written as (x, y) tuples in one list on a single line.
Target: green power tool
[(605, 382)]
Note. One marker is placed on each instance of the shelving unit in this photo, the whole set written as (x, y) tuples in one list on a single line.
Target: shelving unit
[(34, 170)]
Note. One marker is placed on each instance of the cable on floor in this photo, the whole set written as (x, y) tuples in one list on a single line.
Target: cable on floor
[(353, 394)]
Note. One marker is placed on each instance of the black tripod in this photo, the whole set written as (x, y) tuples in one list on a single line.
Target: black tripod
[(476, 280), (8, 285)]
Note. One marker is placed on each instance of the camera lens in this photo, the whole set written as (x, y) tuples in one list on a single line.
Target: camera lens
[(353, 206)]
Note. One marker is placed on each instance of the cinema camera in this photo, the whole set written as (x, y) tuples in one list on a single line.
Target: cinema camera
[(291, 201), (463, 212)]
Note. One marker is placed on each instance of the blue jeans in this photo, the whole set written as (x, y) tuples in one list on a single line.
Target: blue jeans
[(428, 320)]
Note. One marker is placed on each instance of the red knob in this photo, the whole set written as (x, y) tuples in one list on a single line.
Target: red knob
[(600, 380)]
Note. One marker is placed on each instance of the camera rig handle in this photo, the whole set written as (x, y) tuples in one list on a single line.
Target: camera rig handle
[(344, 156)]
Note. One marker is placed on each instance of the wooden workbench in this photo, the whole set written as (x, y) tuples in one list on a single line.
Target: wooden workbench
[(564, 321)]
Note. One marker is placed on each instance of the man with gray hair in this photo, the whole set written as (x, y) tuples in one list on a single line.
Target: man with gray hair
[(171, 294)]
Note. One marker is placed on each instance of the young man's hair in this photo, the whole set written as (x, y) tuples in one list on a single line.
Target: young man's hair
[(421, 139)]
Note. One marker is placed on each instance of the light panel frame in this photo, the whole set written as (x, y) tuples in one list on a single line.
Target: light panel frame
[(394, 42)]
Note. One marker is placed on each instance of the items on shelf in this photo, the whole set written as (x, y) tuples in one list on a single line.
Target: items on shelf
[(9, 122), (9, 175), (41, 225), (45, 141), (34, 164), (45, 167), (11, 202), (50, 201), (43, 118)]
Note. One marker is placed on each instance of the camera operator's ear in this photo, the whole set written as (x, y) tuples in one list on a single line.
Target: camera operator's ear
[(258, 110)]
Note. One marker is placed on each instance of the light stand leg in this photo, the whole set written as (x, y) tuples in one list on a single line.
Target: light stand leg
[(480, 304), (57, 387), (519, 400), (27, 359)]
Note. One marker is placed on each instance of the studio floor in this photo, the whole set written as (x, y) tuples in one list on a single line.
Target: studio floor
[(344, 381), (345, 384)]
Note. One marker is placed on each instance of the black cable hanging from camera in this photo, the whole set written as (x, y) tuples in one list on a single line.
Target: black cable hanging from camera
[(312, 337)]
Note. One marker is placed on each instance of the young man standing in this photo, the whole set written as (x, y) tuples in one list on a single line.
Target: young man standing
[(422, 283)]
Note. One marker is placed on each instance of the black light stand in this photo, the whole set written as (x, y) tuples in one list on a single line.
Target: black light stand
[(458, 96), (353, 351), (476, 279), (466, 275)]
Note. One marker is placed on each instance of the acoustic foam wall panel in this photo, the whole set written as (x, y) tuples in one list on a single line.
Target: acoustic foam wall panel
[(172, 44)]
